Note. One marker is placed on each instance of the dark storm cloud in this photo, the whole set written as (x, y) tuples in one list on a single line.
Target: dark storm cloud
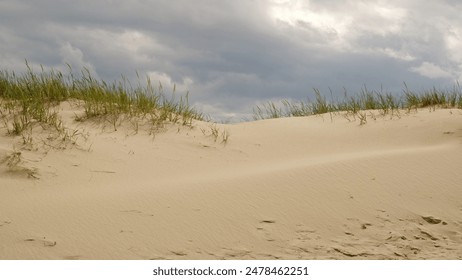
[(233, 54)]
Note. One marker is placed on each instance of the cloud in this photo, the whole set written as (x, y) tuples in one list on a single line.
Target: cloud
[(74, 57), (233, 54), (431, 71), (164, 81), (454, 46)]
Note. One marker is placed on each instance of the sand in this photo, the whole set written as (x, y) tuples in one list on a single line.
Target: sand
[(319, 187)]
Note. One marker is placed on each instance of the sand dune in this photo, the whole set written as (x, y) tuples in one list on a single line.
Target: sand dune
[(293, 188)]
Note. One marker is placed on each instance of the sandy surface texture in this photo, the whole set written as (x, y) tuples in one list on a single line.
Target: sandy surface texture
[(319, 187)]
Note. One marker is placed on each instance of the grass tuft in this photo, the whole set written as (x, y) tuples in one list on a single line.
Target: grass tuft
[(355, 106), (29, 100)]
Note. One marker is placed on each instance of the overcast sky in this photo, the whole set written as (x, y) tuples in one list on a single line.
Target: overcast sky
[(234, 54)]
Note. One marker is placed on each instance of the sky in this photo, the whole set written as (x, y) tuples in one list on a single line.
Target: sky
[(234, 54)]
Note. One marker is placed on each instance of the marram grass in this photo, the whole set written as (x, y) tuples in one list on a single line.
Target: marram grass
[(30, 99), (385, 103)]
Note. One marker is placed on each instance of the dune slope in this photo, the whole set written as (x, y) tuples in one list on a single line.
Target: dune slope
[(294, 188)]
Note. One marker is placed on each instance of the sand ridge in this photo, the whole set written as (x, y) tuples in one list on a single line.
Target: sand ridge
[(292, 188)]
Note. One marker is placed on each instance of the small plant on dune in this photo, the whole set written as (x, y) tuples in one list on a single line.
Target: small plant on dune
[(267, 111), (297, 109), (321, 106), (119, 101), (12, 159), (13, 162), (225, 137), (412, 99), (362, 118), (216, 133), (28, 100)]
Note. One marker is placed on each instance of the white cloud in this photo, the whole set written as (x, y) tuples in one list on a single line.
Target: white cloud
[(300, 15), (401, 55), (380, 17), (432, 71), (454, 43), (341, 24), (137, 44), (75, 58), (166, 82)]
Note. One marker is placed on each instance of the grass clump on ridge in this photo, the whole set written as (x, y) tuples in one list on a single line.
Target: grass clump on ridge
[(30, 100), (355, 106)]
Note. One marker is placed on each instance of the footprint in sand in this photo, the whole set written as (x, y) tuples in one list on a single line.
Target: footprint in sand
[(426, 234), (306, 241), (265, 228), (432, 220), (179, 253), (365, 225), (4, 223), (134, 211), (229, 253), (43, 241), (383, 216), (305, 233)]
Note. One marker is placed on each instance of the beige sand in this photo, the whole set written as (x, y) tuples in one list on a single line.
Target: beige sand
[(294, 188)]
